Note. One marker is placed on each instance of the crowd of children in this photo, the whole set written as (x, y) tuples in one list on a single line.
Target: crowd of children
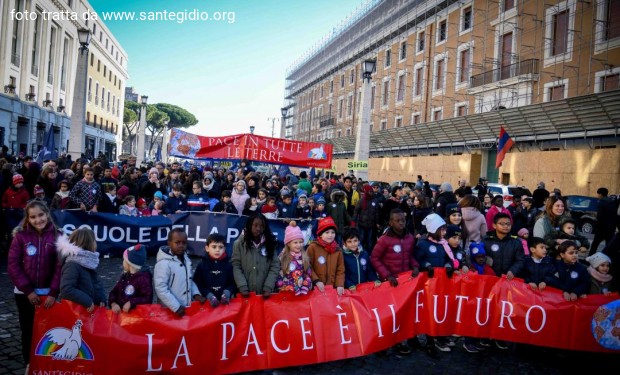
[(396, 233)]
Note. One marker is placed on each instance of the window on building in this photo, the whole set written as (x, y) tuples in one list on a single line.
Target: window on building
[(421, 42), (403, 51), (92, 59), (508, 4), (95, 120), (348, 132), (386, 93), (609, 82), (90, 89), (417, 85), (15, 36), (373, 93), (321, 88), (383, 124), (388, 57), (416, 119), (560, 33), (96, 93), (339, 133), (461, 110), (556, 92), (400, 95), (101, 36), (399, 122), (102, 97), (439, 74), (52, 54), (98, 65), (437, 114), (463, 72), (342, 81), (466, 23), (94, 29), (350, 106), (340, 107), (88, 118), (352, 76), (36, 39), (63, 68), (329, 108), (612, 19), (442, 31), (331, 86)]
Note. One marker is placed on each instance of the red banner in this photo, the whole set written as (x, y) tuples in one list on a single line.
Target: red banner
[(252, 334), (251, 147)]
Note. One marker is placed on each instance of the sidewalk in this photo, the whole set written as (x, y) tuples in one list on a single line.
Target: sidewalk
[(520, 359)]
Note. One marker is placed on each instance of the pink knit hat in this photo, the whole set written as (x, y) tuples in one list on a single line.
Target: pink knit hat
[(522, 232), (292, 233)]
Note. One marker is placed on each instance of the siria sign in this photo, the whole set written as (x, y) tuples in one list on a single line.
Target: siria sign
[(253, 334)]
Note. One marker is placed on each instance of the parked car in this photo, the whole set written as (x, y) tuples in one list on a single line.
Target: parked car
[(507, 191), (583, 209), (403, 184)]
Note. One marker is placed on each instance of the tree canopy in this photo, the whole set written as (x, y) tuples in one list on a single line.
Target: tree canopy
[(179, 117)]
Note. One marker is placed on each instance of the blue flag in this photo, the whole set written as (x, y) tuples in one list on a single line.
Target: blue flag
[(158, 153), (312, 174), (48, 151), (284, 171)]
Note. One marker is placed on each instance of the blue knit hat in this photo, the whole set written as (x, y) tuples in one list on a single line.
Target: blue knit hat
[(136, 255), (158, 194), (476, 249)]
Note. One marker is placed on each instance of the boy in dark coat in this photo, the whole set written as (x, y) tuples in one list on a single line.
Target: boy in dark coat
[(214, 274), (225, 205), (539, 269), (357, 267)]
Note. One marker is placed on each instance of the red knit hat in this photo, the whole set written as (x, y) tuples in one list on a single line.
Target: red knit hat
[(325, 224), (140, 202), (18, 179)]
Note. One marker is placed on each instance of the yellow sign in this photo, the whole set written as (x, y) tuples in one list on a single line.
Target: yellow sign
[(357, 165)]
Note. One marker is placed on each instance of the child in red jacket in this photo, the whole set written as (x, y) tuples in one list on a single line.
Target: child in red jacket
[(16, 195)]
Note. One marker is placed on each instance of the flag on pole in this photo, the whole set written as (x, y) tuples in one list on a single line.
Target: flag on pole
[(503, 146), (312, 174), (284, 171), (48, 152)]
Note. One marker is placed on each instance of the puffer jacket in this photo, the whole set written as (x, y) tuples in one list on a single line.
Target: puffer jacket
[(543, 271), (79, 282), (33, 260), (369, 217), (253, 271), (431, 254), (15, 198), (475, 224), (135, 288), (326, 268), (507, 254), (573, 278), (393, 254), (172, 280), (357, 268)]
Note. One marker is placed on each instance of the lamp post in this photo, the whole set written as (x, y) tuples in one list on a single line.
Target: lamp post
[(284, 112), (362, 137), (252, 127), (78, 109), (273, 125), (141, 131)]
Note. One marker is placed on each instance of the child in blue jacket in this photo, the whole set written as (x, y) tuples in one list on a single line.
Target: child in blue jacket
[(357, 267)]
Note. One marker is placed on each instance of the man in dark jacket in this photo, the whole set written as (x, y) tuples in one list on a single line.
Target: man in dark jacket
[(540, 195), (505, 251), (445, 197), (366, 216), (606, 219)]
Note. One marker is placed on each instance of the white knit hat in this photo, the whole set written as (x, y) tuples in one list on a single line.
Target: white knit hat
[(433, 222), (597, 259)]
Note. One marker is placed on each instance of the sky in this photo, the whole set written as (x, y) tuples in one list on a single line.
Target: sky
[(230, 75)]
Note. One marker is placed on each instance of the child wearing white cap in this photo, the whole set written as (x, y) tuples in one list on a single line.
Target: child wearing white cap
[(599, 273)]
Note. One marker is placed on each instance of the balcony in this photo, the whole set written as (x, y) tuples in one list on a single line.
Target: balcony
[(325, 121), (520, 68), (9, 89)]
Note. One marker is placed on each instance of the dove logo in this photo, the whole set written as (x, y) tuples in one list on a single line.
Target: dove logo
[(317, 154), (65, 344)]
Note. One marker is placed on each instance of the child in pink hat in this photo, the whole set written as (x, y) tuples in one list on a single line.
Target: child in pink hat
[(295, 274)]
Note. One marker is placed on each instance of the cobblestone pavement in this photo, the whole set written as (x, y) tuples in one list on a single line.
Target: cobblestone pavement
[(519, 359)]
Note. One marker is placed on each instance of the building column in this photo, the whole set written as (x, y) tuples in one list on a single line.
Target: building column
[(78, 108)]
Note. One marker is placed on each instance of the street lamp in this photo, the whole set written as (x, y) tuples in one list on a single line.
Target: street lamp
[(78, 108), (164, 148), (362, 137), (141, 131), (252, 127)]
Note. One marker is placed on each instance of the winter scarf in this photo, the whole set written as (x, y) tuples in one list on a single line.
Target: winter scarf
[(72, 253), (447, 249), (601, 277), (329, 247)]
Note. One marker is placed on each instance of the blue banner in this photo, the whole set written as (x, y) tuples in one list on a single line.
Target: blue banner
[(115, 233)]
